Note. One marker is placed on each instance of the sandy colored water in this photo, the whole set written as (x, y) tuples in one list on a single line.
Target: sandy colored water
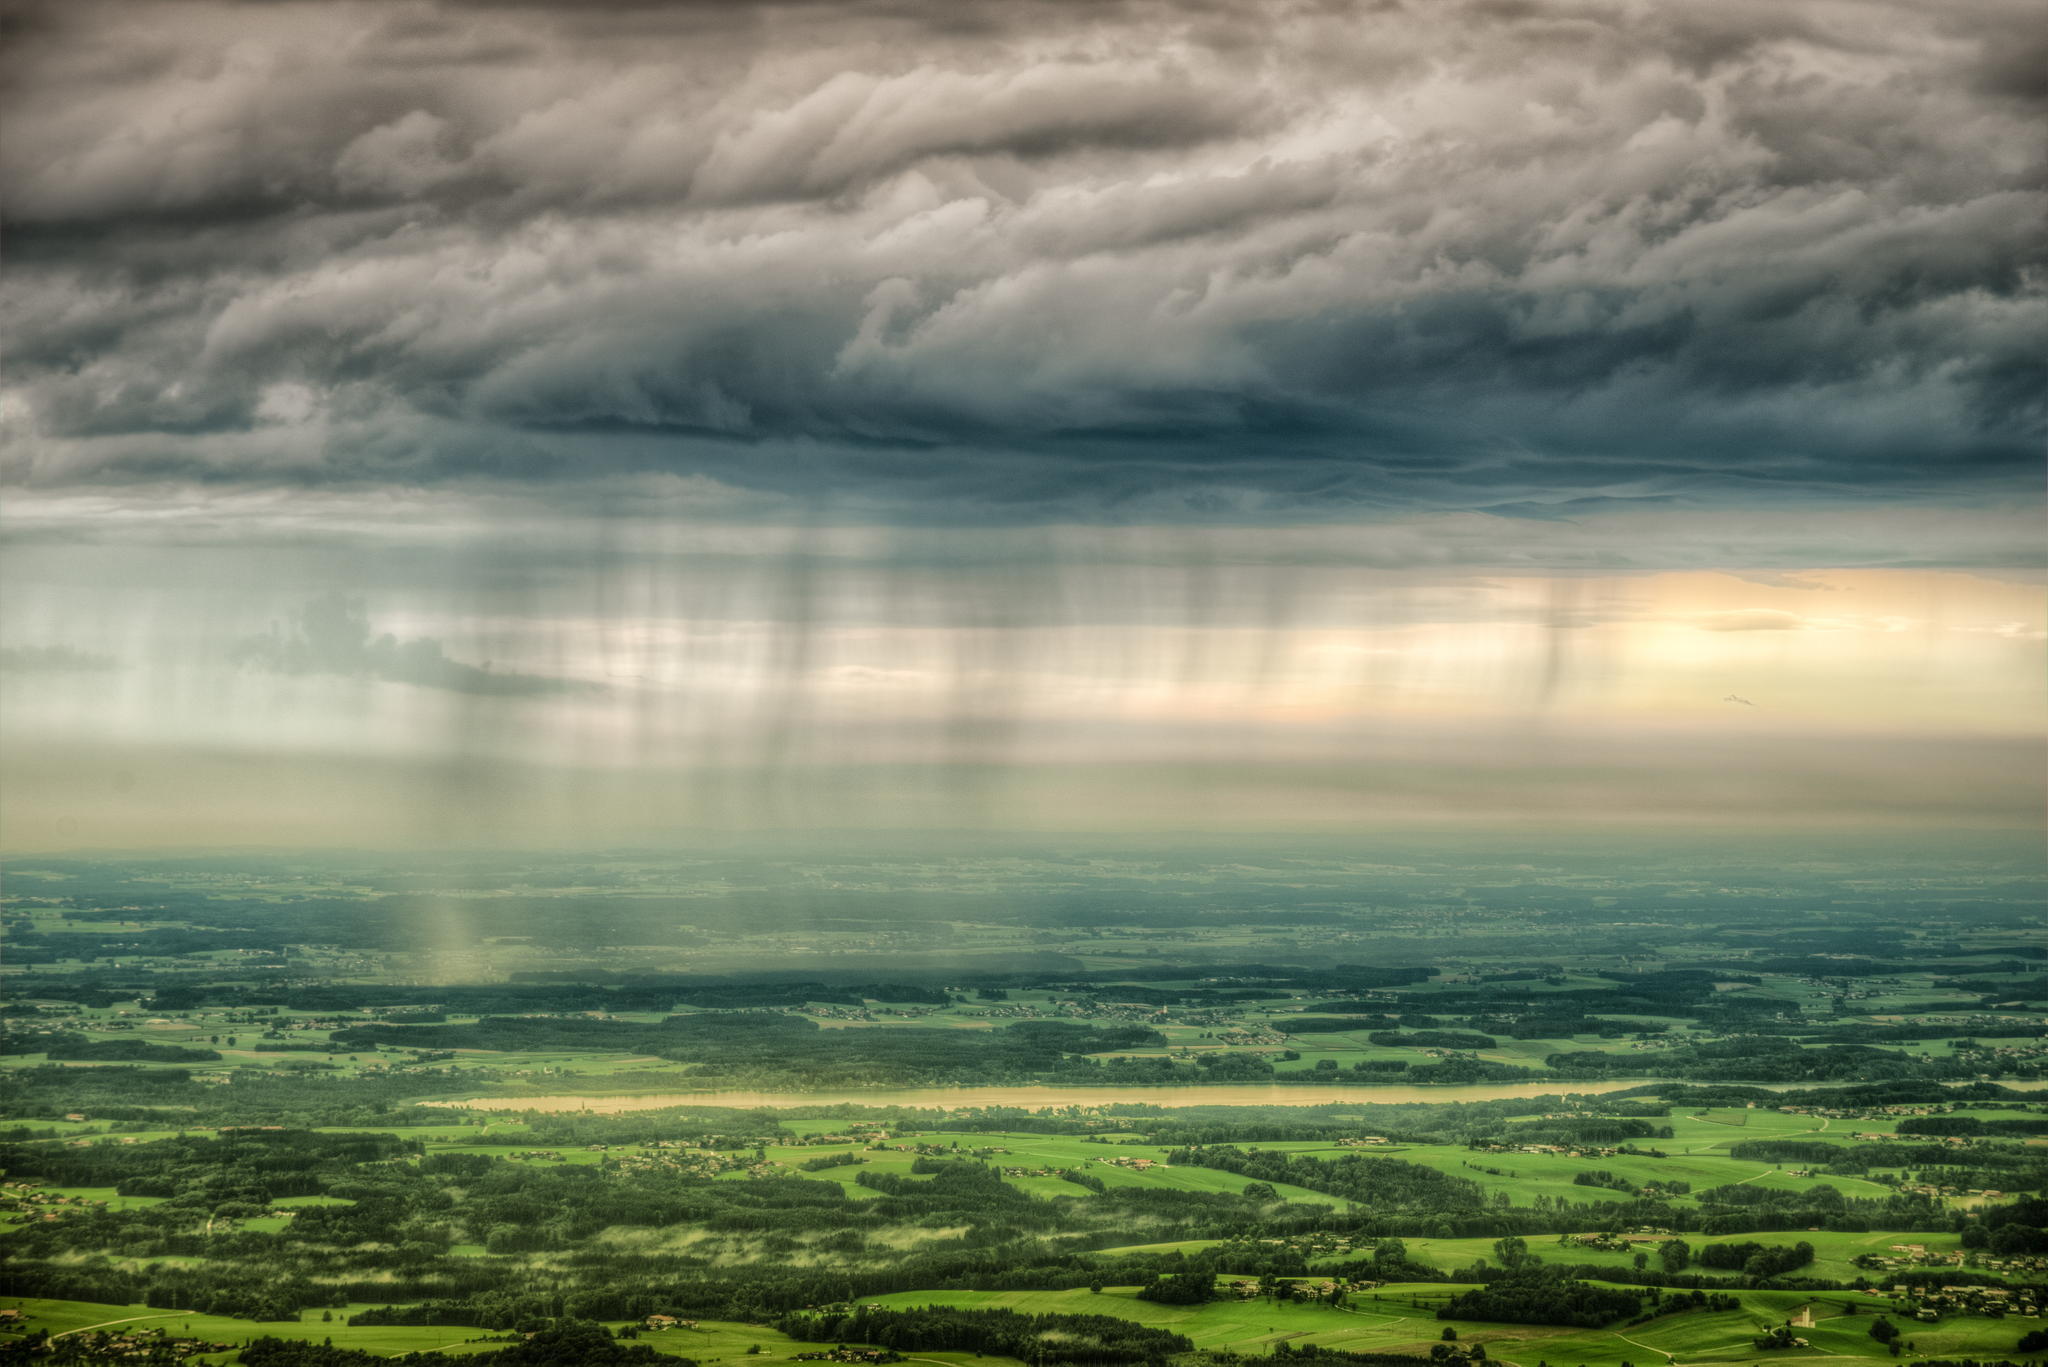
[(1047, 1098), (1043, 1098)]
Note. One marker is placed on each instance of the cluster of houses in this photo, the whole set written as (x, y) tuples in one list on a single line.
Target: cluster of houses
[(2028, 1052), (1560, 1150), (1862, 1112), (1138, 1013), (26, 1202), (1954, 1141), (1017, 1011), (1363, 1141), (1247, 1288), (1250, 1035), (866, 1013), (2033, 1266), (844, 1354), (1995, 1301), (115, 1345), (660, 1322), (1944, 1190), (1906, 1256), (694, 1164), (864, 1132), (1133, 1163)]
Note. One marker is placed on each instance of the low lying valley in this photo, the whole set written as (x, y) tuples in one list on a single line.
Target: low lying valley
[(1734, 1128)]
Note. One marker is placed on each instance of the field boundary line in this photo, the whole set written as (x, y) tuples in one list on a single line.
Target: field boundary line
[(108, 1324), (1671, 1358)]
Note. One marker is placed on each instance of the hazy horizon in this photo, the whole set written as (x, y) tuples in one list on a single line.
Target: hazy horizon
[(563, 424)]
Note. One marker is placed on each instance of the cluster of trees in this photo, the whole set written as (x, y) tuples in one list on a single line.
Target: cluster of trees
[(74, 1047), (1540, 1295), (2014, 1127), (772, 1047), (1180, 1288), (1433, 1039), (1608, 1131), (1806, 1152), (223, 1288), (564, 1343), (1388, 1185), (202, 1170), (1772, 1058), (1315, 1355), (1005, 1333), (2020, 1227), (1759, 1261), (825, 1162), (251, 1096), (1541, 1025)]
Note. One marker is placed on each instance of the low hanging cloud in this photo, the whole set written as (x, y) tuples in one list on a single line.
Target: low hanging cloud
[(1758, 619), (332, 636), (54, 659), (1006, 261)]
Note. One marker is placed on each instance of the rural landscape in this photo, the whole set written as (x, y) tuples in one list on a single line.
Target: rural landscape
[(1023, 683), (1544, 1108)]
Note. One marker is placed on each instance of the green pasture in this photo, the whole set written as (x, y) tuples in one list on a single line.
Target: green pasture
[(1831, 1261), (711, 1341), (1402, 1319), (1047, 1151), (114, 1200), (1525, 1176), (1832, 1251)]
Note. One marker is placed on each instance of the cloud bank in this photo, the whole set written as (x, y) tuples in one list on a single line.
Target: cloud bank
[(332, 637), (1028, 261), (54, 659)]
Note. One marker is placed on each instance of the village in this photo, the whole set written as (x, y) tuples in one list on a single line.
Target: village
[(25, 1201), (1906, 1257), (112, 1345), (1994, 1301)]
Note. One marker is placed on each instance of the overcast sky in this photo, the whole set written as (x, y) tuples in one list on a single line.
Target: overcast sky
[(1534, 410)]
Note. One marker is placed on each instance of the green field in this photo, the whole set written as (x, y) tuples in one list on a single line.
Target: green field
[(710, 1341), (1009, 1045), (1045, 1151), (1401, 1319)]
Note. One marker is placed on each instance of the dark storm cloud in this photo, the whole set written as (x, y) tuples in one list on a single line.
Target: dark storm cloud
[(1013, 260)]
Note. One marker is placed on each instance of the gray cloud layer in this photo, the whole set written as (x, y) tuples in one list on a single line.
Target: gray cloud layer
[(1017, 260), (332, 636), (54, 659)]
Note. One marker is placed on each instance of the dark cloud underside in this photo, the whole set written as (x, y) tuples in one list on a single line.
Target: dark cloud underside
[(1023, 260)]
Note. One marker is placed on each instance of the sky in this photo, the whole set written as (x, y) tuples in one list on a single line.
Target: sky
[(495, 422)]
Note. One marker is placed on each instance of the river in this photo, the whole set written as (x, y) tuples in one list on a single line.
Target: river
[(1044, 1098)]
